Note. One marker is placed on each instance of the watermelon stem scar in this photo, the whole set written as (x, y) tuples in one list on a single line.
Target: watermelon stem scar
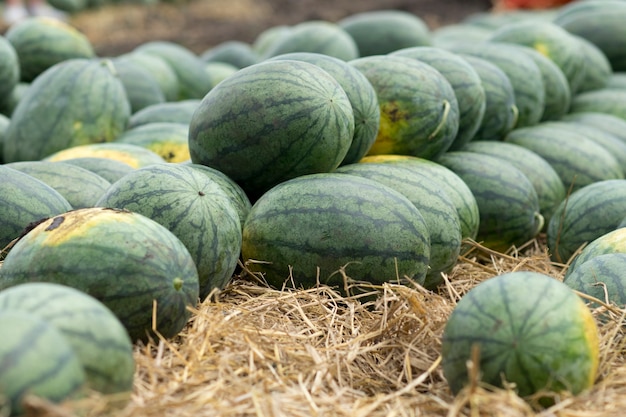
[(444, 118)]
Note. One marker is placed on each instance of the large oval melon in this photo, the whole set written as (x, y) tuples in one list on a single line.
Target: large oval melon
[(136, 267), (305, 230), (289, 115), (528, 329)]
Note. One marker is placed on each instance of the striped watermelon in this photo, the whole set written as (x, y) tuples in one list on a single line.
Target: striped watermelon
[(9, 70), (602, 201), (598, 71), (305, 230), (79, 186), (601, 277), (465, 82), (507, 201), (529, 329), (419, 110), (133, 155), (97, 337), (161, 71), (169, 140), (95, 109), (25, 200), (109, 169), (132, 264), (604, 100), (190, 205), (437, 209), (362, 97), (142, 89), (171, 111), (290, 115), (611, 242), (609, 123), (36, 360), (236, 53)]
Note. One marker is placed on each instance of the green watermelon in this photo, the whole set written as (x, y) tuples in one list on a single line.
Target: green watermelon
[(437, 209), (268, 37), (219, 71), (25, 200), (603, 100), (508, 205), (598, 70), (290, 115), (193, 80), (95, 334), (305, 230), (524, 74), (139, 269), (450, 183), (547, 183), (4, 125), (446, 36), (528, 329), (601, 277), (75, 102), (362, 97), (465, 82), (160, 69), (317, 36), (142, 89), (602, 201), (169, 140), (500, 110), (419, 112), (237, 53), (609, 123), (171, 112), (36, 360), (11, 101), (109, 169), (610, 242), (190, 205), (41, 42), (133, 155), (79, 186), (9, 70), (578, 160), (380, 32)]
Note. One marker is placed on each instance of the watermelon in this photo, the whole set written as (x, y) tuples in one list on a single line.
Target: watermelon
[(465, 82), (97, 337), (142, 89), (190, 205), (508, 205), (305, 230), (130, 263), (552, 41), (447, 35), (602, 201), (161, 71), (380, 32), (169, 140), (500, 110), (609, 123), (437, 209), (4, 124), (528, 329), (610, 242), (601, 277), (75, 102), (316, 36), (601, 22), (7, 107), (578, 160), (450, 183), (25, 200), (598, 70), (9, 70), (547, 183), (603, 100), (524, 74), (616, 80), (171, 111), (36, 361), (79, 186), (419, 112), (268, 37), (133, 155), (41, 42), (237, 53), (193, 80), (362, 97), (109, 169), (290, 115), (219, 71)]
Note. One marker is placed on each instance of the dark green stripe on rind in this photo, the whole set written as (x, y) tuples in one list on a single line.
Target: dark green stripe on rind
[(329, 221), (290, 115), (601, 277), (507, 201), (604, 100)]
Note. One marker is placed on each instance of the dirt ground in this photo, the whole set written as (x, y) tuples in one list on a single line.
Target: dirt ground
[(201, 24)]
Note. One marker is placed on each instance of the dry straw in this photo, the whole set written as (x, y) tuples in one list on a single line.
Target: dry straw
[(254, 351)]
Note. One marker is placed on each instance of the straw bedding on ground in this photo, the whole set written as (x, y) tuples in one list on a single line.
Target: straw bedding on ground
[(250, 350)]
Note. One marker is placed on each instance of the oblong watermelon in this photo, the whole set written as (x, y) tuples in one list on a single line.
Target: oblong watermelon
[(93, 109), (97, 337), (419, 112), (529, 329), (132, 264), (290, 115), (306, 229), (609, 123), (603, 100), (190, 205)]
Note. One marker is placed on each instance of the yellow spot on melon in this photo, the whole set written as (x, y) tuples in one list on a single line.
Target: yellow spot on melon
[(542, 48), (84, 152), (393, 120), (592, 339), (171, 151), (386, 158)]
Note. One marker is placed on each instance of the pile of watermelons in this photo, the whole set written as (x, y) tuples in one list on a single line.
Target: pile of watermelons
[(364, 151)]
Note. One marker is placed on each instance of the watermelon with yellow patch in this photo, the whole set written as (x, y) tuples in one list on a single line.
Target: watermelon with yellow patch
[(133, 155), (166, 139)]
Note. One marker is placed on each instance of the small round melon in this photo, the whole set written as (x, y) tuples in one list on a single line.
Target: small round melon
[(528, 329)]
